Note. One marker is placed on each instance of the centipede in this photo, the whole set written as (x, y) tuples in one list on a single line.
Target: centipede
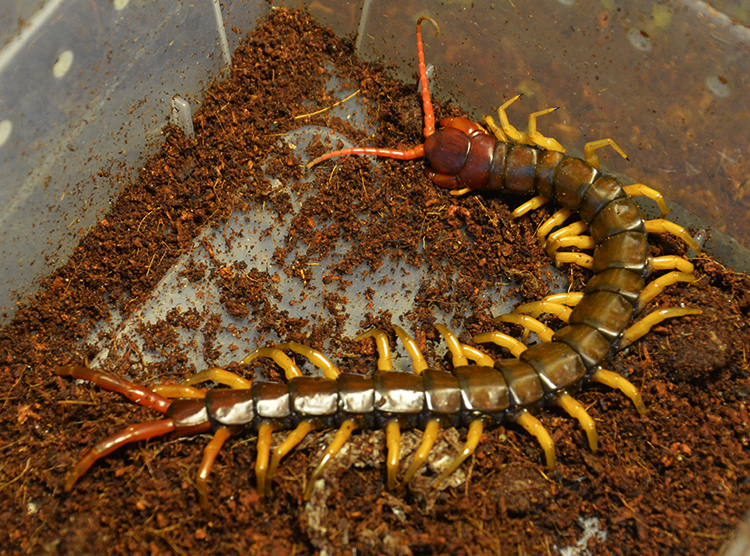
[(609, 233)]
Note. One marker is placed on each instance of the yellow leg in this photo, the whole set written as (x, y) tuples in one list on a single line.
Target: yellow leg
[(638, 189), (555, 220), (261, 462), (613, 380), (669, 262), (532, 204), (535, 428), (581, 259), (510, 131), (539, 139), (459, 192), (545, 333), (661, 226), (589, 151), (472, 440), (209, 456), (178, 391), (428, 440), (571, 299), (459, 359), (418, 361), (582, 242), (315, 357), (393, 441), (495, 129), (641, 328), (536, 308), (575, 409), (342, 435), (655, 287), (294, 438), (477, 356), (503, 340), (575, 229), (222, 377), (385, 363), (291, 369)]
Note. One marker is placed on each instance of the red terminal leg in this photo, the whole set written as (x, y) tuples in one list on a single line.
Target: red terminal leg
[(134, 392), (133, 433)]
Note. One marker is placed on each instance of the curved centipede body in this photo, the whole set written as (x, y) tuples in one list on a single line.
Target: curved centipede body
[(461, 156)]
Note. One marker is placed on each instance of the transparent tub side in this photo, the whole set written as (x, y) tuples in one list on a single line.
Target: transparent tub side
[(666, 81), (85, 90)]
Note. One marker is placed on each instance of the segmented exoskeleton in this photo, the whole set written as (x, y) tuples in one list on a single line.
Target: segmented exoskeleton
[(460, 156)]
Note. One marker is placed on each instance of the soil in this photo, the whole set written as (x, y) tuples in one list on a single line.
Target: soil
[(675, 481)]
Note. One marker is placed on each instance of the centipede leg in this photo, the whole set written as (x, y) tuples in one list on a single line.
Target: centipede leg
[(553, 221), (503, 340), (660, 226), (508, 129), (454, 346), (536, 308), (535, 428), (428, 440), (261, 462), (581, 259), (315, 357), (221, 376), (418, 361), (613, 380), (532, 204), (639, 189), (669, 262), (134, 392), (544, 332), (476, 428), (133, 433), (655, 287), (209, 457), (385, 363), (582, 242), (294, 438), (291, 369), (641, 328), (575, 409), (342, 435), (540, 140), (574, 229), (589, 150), (393, 441)]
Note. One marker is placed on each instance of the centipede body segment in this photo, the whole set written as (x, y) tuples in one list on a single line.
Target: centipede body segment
[(464, 157)]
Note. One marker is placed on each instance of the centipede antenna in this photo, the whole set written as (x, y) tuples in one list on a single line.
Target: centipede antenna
[(429, 114)]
